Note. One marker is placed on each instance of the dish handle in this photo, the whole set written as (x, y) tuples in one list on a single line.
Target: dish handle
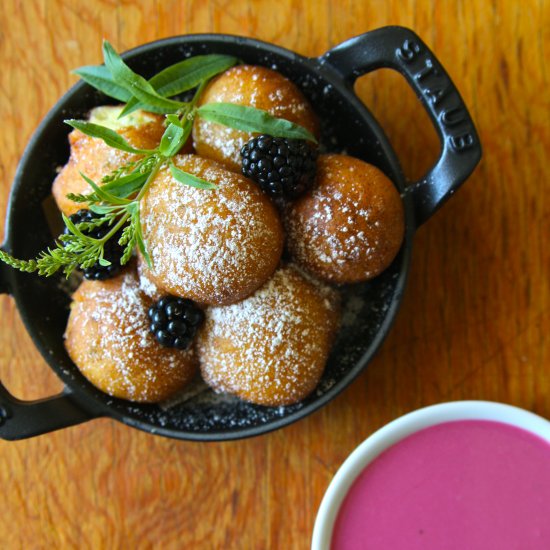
[(22, 419), (401, 49)]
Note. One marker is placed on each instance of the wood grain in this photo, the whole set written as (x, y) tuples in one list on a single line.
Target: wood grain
[(475, 319)]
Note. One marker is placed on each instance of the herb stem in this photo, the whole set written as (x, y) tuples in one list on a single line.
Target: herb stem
[(127, 214), (190, 107), (113, 231), (150, 178)]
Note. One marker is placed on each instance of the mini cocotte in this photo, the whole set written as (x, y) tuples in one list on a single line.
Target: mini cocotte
[(239, 227)]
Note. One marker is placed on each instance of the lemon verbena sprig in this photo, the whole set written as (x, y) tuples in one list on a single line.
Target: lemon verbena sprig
[(116, 200), (71, 250), (160, 93)]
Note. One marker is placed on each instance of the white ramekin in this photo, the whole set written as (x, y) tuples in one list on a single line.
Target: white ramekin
[(399, 429)]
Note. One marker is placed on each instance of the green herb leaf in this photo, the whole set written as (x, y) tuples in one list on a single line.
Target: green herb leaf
[(101, 209), (174, 119), (189, 73), (107, 218), (187, 128), (134, 104), (250, 119), (110, 137), (72, 227), (103, 195), (143, 248), (27, 266), (100, 78), (184, 76), (137, 236), (125, 186), (126, 168), (133, 207), (136, 84), (171, 141), (190, 179), (90, 198)]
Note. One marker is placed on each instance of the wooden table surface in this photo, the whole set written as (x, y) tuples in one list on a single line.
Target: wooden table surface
[(475, 318)]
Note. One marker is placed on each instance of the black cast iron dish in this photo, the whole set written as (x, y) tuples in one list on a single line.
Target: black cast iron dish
[(328, 82)]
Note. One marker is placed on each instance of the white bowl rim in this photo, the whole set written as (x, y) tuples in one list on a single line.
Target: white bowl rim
[(402, 427)]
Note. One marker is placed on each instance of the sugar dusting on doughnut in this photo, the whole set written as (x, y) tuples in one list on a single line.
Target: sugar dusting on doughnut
[(212, 246), (253, 86), (271, 348), (108, 338), (350, 226)]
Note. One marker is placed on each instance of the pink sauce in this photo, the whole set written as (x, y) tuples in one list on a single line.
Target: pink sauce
[(467, 485)]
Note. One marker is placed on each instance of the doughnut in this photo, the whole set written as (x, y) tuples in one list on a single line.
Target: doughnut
[(95, 159), (350, 226), (108, 339), (255, 87), (211, 246), (271, 348)]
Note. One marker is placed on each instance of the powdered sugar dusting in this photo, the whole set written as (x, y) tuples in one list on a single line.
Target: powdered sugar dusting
[(255, 87), (108, 337), (336, 231), (270, 348), (211, 246), (146, 283), (198, 409), (342, 245)]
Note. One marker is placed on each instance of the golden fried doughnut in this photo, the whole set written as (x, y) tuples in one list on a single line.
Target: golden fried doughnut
[(255, 87), (271, 348), (95, 159), (212, 246), (108, 339), (350, 226)]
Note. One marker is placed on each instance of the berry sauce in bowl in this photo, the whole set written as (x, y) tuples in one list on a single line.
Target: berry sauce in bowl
[(476, 480)]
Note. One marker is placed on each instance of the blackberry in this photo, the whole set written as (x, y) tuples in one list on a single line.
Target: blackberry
[(112, 250), (282, 167), (174, 321)]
